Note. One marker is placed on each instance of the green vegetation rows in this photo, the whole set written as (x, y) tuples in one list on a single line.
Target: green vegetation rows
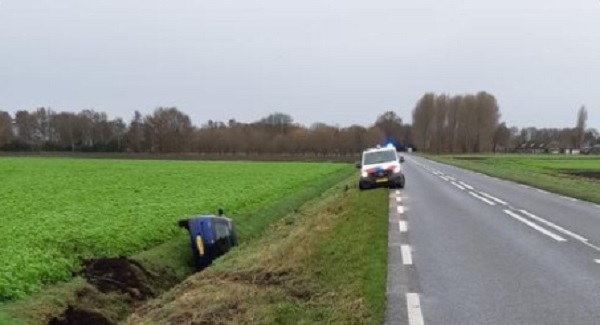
[(57, 212)]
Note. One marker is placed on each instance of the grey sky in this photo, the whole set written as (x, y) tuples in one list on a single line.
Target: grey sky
[(339, 62)]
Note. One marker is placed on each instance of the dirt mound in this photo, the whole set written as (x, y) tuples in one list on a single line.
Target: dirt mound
[(118, 274), (75, 316)]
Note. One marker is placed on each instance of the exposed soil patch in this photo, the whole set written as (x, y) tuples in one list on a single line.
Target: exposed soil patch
[(118, 274), (587, 174), (112, 282), (470, 158), (76, 316), (264, 278)]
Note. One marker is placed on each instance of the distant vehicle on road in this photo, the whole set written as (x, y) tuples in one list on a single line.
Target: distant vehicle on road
[(381, 167)]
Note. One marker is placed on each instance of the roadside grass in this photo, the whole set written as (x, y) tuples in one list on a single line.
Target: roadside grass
[(324, 264), (549, 172), (171, 260), (6, 320)]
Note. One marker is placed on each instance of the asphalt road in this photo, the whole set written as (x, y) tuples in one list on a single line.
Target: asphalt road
[(465, 248)]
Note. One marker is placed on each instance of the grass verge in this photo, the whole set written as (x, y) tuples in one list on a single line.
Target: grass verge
[(325, 264), (170, 262), (558, 174)]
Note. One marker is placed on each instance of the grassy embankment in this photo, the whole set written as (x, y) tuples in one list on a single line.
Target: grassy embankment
[(574, 176), (325, 264), (170, 261)]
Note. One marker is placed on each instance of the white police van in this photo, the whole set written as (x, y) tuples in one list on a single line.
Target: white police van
[(381, 167)]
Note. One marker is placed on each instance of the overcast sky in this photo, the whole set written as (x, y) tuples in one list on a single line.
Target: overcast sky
[(339, 62)]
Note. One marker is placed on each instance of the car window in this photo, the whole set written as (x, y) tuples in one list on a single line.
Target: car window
[(221, 230), (378, 157)]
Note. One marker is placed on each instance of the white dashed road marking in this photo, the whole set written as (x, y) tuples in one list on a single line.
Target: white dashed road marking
[(553, 225), (493, 198), (482, 198), (400, 209), (406, 255), (458, 186), (535, 226), (413, 305), (403, 226), (467, 185)]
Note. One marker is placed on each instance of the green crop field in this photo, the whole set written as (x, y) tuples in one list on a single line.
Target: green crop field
[(54, 213), (575, 176)]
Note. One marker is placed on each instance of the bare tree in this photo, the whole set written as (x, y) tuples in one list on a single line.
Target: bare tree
[(582, 116), (423, 116), (501, 136), (171, 129), (6, 129), (391, 125)]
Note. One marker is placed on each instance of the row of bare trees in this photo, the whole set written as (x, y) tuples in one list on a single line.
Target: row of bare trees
[(44, 129), (464, 123), (168, 130), (441, 124), (549, 139)]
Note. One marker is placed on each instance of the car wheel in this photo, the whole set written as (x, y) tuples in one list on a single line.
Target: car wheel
[(402, 183)]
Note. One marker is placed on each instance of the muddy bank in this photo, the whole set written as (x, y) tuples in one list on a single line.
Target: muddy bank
[(114, 286), (594, 175)]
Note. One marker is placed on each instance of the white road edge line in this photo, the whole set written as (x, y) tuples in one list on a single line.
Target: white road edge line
[(535, 226), (403, 226), (467, 185), (444, 178), (397, 192), (398, 199), (400, 209), (413, 306), (406, 255), (482, 198), (597, 261), (493, 198), (553, 225), (458, 186)]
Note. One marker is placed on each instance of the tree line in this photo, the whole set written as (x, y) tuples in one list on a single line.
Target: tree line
[(471, 124), (457, 124), (168, 130), (468, 123)]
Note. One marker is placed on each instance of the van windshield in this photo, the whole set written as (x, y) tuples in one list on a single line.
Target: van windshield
[(378, 157)]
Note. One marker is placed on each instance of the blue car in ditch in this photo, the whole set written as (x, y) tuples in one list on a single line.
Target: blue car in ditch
[(210, 237)]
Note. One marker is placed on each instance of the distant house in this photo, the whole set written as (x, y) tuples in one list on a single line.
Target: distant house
[(595, 150), (554, 147), (531, 147)]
